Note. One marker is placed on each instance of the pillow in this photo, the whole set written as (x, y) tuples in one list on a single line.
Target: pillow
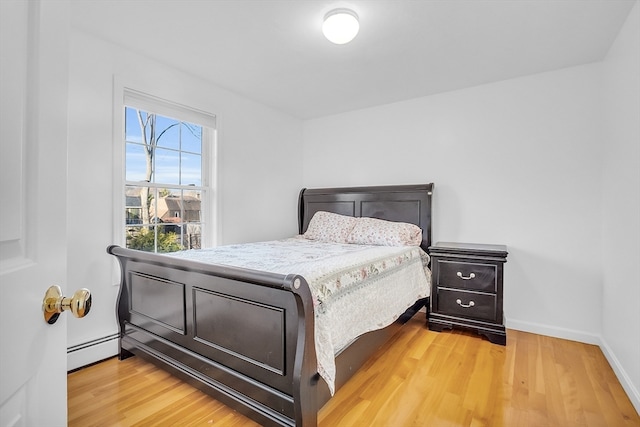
[(330, 227), (372, 231)]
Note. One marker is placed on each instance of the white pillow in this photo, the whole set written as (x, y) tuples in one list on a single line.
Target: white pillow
[(330, 227), (373, 231)]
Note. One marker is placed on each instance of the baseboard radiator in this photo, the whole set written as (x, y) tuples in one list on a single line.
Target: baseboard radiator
[(88, 353)]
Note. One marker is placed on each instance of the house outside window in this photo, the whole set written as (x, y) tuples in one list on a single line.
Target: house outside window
[(168, 169)]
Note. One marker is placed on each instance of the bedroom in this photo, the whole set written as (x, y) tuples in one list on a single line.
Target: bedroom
[(546, 163)]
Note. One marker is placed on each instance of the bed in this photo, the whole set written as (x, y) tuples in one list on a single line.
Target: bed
[(260, 358)]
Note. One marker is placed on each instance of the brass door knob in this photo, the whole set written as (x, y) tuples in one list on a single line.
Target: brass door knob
[(54, 303)]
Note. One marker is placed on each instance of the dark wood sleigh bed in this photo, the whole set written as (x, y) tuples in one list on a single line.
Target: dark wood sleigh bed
[(260, 357)]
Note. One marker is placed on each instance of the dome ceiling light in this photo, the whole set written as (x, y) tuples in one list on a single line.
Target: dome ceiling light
[(340, 26)]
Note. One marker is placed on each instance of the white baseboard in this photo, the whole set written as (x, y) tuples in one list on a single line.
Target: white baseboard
[(581, 336), (92, 352), (632, 392), (553, 331)]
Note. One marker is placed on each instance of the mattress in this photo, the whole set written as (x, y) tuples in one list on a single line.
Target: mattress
[(355, 288)]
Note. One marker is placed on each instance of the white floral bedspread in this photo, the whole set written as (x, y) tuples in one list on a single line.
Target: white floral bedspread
[(355, 288)]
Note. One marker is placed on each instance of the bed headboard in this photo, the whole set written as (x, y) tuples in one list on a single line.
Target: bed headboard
[(402, 203)]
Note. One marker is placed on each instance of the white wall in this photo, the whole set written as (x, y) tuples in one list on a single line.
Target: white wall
[(515, 162), (259, 153), (621, 205)]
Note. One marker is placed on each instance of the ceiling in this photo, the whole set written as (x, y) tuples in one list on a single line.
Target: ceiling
[(273, 51)]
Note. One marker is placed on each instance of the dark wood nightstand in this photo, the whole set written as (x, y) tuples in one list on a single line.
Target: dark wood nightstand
[(466, 288)]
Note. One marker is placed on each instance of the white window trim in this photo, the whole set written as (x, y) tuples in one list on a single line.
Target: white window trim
[(125, 96)]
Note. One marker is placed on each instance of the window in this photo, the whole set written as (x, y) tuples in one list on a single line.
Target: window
[(168, 193)]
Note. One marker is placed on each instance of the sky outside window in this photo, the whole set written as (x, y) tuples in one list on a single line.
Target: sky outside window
[(178, 155)]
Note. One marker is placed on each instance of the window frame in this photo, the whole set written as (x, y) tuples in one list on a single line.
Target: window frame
[(126, 97)]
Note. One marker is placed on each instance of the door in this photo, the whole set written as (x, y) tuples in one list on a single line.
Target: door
[(33, 142)]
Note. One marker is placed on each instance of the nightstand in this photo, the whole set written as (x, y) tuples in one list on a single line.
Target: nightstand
[(466, 288)]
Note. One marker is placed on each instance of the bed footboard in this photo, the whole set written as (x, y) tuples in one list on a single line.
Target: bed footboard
[(245, 337)]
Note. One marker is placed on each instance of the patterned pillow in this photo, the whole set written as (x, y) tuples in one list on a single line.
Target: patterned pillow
[(372, 231), (330, 227)]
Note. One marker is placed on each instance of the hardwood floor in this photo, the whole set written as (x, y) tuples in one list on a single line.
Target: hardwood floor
[(420, 378)]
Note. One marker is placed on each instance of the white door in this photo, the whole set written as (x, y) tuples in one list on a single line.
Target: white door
[(33, 142)]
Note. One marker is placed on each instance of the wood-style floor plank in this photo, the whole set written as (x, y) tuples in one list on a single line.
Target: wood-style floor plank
[(420, 378)]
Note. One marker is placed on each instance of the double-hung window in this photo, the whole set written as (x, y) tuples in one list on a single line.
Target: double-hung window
[(168, 163)]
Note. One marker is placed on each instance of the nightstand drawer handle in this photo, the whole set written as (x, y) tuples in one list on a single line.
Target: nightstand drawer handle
[(471, 276), (471, 303)]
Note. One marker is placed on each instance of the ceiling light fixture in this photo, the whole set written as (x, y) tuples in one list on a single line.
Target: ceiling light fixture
[(340, 26)]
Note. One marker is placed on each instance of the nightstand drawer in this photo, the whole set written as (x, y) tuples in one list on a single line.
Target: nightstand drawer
[(467, 304), (466, 275)]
